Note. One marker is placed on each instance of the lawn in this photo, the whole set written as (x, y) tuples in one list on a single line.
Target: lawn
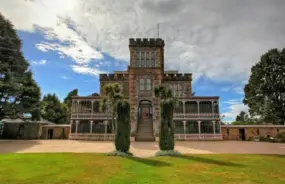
[(87, 168)]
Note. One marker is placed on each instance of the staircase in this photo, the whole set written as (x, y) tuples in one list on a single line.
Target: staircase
[(145, 131)]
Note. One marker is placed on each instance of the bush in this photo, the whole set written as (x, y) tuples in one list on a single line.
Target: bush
[(120, 153), (122, 139), (168, 153), (281, 136)]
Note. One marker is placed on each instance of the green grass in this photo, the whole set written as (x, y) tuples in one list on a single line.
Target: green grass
[(75, 168)]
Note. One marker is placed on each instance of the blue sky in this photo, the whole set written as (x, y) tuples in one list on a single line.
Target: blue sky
[(70, 42)]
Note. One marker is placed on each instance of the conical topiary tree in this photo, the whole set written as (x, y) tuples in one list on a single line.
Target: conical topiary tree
[(167, 106), (122, 139)]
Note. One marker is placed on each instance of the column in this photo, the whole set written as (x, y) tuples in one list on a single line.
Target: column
[(91, 125), (92, 109), (199, 128), (214, 127), (78, 104), (76, 128), (105, 122), (198, 104), (70, 130), (212, 108), (184, 110), (184, 128)]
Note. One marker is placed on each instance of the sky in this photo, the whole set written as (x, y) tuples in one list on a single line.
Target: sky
[(70, 42)]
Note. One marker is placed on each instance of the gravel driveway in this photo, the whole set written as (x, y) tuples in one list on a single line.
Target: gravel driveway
[(140, 149)]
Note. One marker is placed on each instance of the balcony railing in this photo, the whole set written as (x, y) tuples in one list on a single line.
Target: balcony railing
[(177, 116)]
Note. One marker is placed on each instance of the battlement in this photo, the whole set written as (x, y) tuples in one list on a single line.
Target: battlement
[(177, 77), (114, 77), (145, 42)]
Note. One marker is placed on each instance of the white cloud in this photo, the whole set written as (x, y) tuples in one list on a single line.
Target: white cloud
[(40, 62), (65, 77), (234, 108), (220, 39), (86, 70)]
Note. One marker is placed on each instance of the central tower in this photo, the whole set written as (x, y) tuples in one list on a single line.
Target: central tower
[(145, 70)]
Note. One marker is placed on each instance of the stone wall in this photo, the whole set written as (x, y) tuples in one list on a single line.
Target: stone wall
[(250, 132), (27, 130), (58, 132)]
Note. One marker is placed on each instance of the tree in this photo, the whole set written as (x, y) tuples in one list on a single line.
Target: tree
[(111, 96), (68, 102), (19, 93), (167, 106), (265, 91), (242, 117), (123, 130), (53, 110)]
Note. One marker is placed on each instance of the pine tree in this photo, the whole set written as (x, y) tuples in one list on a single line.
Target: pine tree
[(19, 93)]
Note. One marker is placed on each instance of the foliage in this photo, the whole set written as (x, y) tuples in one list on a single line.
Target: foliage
[(168, 153), (68, 102), (120, 153), (167, 105), (111, 96), (265, 91), (242, 117), (19, 93), (53, 110), (123, 130), (281, 137)]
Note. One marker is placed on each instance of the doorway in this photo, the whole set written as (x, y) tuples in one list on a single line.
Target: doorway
[(242, 134), (145, 110), (50, 133)]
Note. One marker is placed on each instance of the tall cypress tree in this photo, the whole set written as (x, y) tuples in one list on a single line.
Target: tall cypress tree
[(123, 130), (19, 93)]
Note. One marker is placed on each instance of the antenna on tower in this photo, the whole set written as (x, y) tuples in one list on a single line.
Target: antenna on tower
[(157, 30)]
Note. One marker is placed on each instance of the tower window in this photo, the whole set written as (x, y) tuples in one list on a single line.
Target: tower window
[(145, 84), (142, 59), (147, 59), (152, 59), (137, 59)]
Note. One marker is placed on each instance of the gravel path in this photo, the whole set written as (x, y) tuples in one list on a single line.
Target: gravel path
[(140, 149)]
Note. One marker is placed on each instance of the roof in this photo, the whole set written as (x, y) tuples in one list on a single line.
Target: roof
[(57, 125), (254, 126), (18, 120), (7, 120)]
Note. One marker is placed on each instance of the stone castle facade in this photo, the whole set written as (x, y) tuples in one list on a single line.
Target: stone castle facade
[(196, 117)]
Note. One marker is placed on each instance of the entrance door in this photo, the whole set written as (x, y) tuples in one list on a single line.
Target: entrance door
[(50, 133), (242, 134), (145, 110)]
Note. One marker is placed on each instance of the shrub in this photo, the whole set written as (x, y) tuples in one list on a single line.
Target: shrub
[(168, 153), (122, 139), (281, 136), (120, 153)]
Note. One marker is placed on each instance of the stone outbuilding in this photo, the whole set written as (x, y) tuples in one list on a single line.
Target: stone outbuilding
[(249, 132)]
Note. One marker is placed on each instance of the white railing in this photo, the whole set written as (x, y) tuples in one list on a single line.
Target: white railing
[(189, 137), (92, 136), (97, 115), (195, 115), (176, 116)]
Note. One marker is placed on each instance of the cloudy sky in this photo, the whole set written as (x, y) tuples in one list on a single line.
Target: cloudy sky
[(69, 42)]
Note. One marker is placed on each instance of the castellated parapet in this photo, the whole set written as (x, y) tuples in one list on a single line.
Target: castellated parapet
[(113, 77), (145, 42), (177, 77)]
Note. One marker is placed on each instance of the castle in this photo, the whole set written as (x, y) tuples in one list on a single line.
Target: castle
[(196, 117)]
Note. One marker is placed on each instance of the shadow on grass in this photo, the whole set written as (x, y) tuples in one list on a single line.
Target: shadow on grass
[(275, 155), (209, 161), (149, 162)]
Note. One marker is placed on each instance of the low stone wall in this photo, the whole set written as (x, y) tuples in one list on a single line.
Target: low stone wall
[(92, 136)]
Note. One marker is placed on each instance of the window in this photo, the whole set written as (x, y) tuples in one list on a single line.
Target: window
[(145, 84), (137, 59), (147, 59), (152, 59), (148, 84), (142, 59), (142, 84)]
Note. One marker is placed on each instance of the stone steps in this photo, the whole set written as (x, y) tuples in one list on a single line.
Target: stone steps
[(145, 131)]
